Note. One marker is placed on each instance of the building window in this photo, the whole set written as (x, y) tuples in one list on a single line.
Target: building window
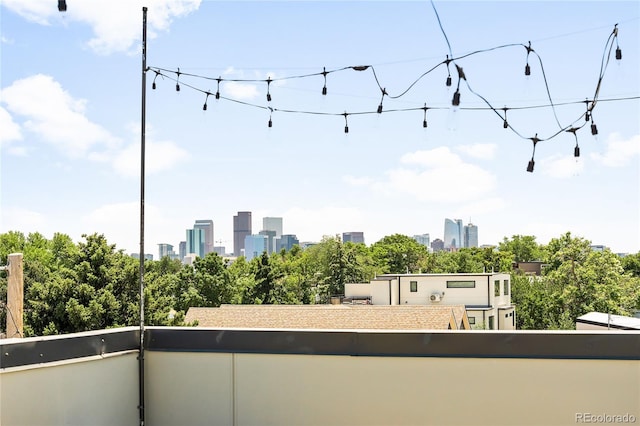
[(472, 320), (496, 288), (461, 284), (491, 323), (413, 286), (506, 287)]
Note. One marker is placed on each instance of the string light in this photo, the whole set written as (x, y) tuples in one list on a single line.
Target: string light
[(268, 85), (532, 162), (153, 86), (384, 92), (324, 74), (424, 122), (588, 115), (527, 68), (576, 150), (204, 107), (618, 50)]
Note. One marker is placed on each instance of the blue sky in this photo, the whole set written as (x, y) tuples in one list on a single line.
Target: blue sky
[(70, 119)]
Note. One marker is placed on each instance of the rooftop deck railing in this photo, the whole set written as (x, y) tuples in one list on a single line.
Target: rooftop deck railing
[(197, 376)]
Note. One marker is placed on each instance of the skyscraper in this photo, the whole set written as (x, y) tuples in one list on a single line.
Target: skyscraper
[(195, 242), (207, 226), (182, 250), (471, 235), (354, 237), (453, 234), (241, 228), (272, 224), (423, 239), (254, 246), (166, 250), (271, 240), (286, 242)]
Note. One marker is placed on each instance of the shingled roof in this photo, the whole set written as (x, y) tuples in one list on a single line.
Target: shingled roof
[(329, 317)]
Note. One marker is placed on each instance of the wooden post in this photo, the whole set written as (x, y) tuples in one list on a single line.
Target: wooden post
[(15, 295)]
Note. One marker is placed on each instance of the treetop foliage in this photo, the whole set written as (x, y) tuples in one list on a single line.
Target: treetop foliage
[(91, 284)]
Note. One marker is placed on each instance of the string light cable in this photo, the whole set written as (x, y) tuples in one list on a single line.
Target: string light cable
[(450, 59)]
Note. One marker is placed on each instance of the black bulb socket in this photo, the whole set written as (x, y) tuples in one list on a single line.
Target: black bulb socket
[(153, 86), (268, 97), (177, 87), (576, 151), (346, 129), (456, 99), (270, 123), (505, 125), (449, 81), (594, 129), (204, 107), (618, 53), (424, 124), (530, 166), (324, 90), (527, 70)]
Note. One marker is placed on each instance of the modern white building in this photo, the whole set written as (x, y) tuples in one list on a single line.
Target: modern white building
[(486, 296)]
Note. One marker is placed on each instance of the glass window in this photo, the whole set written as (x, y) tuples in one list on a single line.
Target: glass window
[(506, 287), (496, 288), (472, 320), (461, 284), (413, 285), (491, 323)]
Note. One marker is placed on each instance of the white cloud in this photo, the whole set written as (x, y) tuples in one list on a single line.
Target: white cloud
[(38, 11), (560, 166), (313, 224), (115, 23), (5, 40), (11, 131), (438, 175), (619, 152), (357, 181), (160, 156), (482, 207), (54, 115), (236, 90), (484, 151), (119, 225), (21, 219)]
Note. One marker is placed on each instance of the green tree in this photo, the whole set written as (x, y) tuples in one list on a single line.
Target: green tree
[(523, 247), (397, 254)]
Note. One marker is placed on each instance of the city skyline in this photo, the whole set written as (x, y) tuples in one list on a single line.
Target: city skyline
[(70, 123)]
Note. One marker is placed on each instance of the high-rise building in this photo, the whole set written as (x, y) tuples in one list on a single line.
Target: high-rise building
[(423, 239), (437, 245), (207, 226), (254, 246), (286, 242), (471, 235), (353, 237), (271, 240), (241, 229), (195, 242), (182, 250), (272, 224), (166, 250), (453, 234)]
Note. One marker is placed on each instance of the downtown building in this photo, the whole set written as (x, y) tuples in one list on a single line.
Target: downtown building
[(241, 229)]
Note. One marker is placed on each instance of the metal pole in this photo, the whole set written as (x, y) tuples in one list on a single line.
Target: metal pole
[(142, 172)]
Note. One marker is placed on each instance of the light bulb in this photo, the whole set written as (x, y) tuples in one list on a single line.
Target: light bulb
[(324, 90), (448, 81), (594, 129), (177, 87), (379, 109), (456, 98), (618, 53), (527, 70), (530, 166), (576, 151)]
